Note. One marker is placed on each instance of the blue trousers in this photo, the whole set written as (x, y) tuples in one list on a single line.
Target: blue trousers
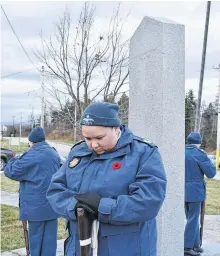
[(43, 237), (192, 235)]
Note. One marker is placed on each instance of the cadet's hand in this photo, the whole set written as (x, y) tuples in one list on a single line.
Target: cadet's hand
[(90, 199), (92, 214)]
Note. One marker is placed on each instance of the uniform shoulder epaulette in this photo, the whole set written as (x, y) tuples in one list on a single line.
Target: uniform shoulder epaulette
[(77, 143), (201, 150), (149, 143), (22, 154)]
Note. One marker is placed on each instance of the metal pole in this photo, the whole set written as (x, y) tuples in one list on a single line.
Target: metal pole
[(202, 67), (42, 99), (218, 123)]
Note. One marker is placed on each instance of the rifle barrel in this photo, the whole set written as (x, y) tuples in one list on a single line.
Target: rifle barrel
[(24, 224), (85, 231)]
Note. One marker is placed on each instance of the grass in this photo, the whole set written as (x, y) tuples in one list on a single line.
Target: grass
[(16, 149), (9, 185), (213, 197), (12, 232)]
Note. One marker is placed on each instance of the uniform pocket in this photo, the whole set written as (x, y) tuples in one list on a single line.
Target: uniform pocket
[(121, 240)]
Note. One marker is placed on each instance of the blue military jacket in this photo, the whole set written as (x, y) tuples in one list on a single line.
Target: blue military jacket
[(197, 164), (132, 182), (34, 170)]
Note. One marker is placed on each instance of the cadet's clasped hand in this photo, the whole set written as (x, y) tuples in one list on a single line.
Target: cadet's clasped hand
[(89, 202)]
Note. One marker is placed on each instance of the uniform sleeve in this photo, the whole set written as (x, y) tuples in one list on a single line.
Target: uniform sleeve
[(206, 165), (145, 198), (59, 196), (17, 168)]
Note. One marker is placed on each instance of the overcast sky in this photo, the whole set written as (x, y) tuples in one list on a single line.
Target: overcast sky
[(20, 93)]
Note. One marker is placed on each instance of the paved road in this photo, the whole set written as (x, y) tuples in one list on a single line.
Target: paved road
[(217, 176), (9, 198), (62, 148)]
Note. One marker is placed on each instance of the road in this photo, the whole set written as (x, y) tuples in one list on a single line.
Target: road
[(62, 148)]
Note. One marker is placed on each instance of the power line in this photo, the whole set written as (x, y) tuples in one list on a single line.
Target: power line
[(18, 38), (20, 72)]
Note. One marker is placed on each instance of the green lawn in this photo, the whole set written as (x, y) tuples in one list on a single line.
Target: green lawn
[(12, 232), (213, 197), (9, 185)]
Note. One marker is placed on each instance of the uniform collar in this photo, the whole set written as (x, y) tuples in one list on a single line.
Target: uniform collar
[(39, 144), (191, 146)]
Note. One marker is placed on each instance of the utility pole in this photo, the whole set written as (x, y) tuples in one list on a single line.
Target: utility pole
[(198, 113), (13, 129), (75, 117), (201, 113), (218, 122), (20, 125), (42, 99), (13, 122), (32, 118)]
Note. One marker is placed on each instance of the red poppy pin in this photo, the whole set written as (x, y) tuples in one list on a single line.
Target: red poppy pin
[(116, 165)]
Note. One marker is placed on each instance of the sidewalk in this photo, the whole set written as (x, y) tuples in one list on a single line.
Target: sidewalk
[(22, 251), (9, 198), (217, 176)]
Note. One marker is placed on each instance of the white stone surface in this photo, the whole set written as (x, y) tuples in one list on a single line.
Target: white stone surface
[(156, 112)]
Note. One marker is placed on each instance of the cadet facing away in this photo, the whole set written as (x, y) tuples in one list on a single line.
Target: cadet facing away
[(117, 177), (197, 164), (34, 170)]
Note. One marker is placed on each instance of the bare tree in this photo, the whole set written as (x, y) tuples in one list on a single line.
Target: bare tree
[(79, 56)]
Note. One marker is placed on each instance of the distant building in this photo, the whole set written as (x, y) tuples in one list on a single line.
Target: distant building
[(3, 130)]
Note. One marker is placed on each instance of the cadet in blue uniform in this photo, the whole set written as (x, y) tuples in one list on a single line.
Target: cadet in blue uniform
[(197, 164), (34, 170), (118, 176)]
